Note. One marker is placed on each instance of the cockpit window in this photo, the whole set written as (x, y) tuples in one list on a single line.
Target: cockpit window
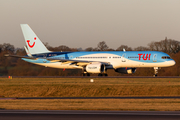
[(166, 57)]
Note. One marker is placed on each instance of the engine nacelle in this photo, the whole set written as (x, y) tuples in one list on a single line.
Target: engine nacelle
[(126, 70), (95, 68)]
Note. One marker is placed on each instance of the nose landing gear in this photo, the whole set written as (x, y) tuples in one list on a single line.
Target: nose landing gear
[(155, 71)]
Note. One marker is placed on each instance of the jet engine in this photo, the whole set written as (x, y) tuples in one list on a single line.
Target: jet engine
[(95, 68), (126, 70)]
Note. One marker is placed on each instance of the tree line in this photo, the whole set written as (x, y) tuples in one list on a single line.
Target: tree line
[(17, 67)]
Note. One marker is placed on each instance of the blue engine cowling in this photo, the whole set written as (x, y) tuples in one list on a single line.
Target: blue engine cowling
[(126, 70)]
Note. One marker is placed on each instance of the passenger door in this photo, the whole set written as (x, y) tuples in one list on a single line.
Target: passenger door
[(124, 57), (45, 60), (155, 58)]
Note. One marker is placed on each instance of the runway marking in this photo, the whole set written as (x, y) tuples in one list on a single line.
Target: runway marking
[(7, 98)]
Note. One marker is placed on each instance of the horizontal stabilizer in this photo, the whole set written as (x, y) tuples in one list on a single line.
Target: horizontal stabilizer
[(17, 56), (27, 51)]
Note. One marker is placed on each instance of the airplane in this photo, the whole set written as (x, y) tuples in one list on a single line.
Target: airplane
[(92, 61)]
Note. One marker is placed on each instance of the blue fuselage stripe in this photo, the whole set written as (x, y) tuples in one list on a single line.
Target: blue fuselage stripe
[(139, 56)]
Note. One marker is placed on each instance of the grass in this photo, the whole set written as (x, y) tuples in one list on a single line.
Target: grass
[(92, 104), (81, 87)]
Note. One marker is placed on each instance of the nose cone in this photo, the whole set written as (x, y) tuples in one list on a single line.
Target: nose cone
[(171, 63)]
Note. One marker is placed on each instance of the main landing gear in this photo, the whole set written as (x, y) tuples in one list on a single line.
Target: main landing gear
[(155, 71), (85, 74), (100, 74)]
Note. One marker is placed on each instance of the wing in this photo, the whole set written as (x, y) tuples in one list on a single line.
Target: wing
[(75, 62), (63, 61)]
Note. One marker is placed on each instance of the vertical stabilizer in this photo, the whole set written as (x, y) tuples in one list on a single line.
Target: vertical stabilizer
[(34, 45)]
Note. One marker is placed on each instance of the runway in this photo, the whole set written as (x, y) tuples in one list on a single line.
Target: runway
[(91, 77), (147, 97), (88, 115)]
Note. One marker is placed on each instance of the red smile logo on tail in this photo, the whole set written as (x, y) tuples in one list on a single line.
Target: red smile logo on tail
[(31, 46)]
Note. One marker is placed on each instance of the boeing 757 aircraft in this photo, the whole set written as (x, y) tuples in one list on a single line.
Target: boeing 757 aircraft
[(91, 62)]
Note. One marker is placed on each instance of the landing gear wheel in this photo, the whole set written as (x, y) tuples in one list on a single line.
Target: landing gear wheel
[(99, 74), (85, 74), (154, 75)]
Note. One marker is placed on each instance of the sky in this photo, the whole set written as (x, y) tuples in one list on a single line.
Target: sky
[(85, 23)]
